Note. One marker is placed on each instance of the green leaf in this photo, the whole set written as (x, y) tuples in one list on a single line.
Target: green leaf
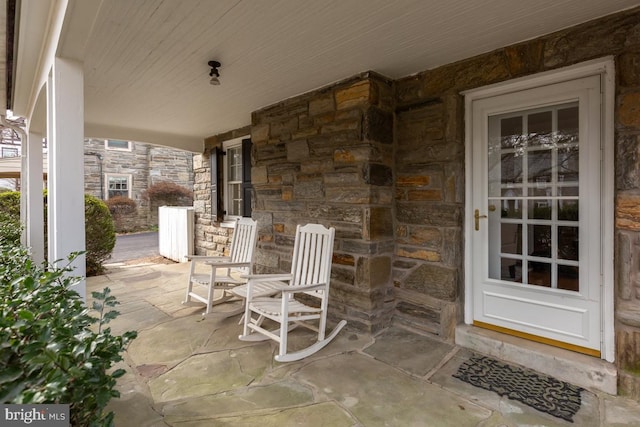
[(118, 373), (26, 315), (10, 374)]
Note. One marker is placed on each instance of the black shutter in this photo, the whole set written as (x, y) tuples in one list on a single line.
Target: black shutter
[(246, 178), (216, 195)]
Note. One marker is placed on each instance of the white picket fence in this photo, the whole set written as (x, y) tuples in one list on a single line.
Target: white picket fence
[(175, 234)]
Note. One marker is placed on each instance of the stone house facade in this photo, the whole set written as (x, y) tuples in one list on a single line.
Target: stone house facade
[(384, 163), (128, 169)]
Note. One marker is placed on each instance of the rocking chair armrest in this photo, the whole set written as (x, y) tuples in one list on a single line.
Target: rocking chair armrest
[(270, 277), (206, 258), (223, 264), (304, 288)]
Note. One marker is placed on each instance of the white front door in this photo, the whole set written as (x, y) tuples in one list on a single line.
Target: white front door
[(536, 213)]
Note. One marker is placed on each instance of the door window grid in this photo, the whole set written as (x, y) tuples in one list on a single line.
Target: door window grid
[(527, 181)]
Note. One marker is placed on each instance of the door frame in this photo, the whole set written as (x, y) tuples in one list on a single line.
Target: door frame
[(606, 69)]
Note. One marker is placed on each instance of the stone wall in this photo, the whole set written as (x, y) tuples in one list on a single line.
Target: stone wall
[(383, 162), (148, 164), (327, 157)]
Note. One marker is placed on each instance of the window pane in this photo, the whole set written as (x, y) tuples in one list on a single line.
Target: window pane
[(9, 152), (234, 159), (117, 144), (118, 186), (540, 128), (511, 132), (235, 199), (539, 209), (539, 163)]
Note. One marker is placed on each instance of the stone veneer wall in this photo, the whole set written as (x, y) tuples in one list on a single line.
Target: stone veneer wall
[(148, 164), (383, 162), (430, 173), (327, 157)]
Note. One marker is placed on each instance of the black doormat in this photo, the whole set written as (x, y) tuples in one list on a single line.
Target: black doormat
[(541, 392)]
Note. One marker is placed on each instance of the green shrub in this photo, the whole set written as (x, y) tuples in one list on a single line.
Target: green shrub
[(10, 203), (10, 227), (49, 352), (100, 234)]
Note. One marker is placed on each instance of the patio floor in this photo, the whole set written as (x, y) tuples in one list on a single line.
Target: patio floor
[(186, 370)]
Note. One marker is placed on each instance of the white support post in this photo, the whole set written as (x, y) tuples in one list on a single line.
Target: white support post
[(32, 186), (65, 134)]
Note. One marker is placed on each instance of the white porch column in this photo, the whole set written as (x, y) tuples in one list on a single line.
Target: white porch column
[(65, 134), (32, 186)]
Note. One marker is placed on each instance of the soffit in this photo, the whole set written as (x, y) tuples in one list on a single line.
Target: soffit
[(146, 67)]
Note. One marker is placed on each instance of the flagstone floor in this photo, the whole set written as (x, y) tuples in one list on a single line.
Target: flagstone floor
[(188, 370)]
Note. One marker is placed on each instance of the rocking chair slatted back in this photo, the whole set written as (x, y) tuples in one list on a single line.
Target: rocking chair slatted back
[(224, 272), (243, 243), (312, 253)]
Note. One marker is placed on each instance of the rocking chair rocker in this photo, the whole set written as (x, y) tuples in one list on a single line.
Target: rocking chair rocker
[(239, 263), (310, 274)]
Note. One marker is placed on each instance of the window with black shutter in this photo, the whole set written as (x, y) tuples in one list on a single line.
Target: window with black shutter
[(232, 188)]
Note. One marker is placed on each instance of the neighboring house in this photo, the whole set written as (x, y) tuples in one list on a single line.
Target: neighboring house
[(9, 149), (119, 168), (126, 168), (450, 188)]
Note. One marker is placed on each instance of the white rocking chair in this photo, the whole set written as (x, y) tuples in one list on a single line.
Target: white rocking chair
[(310, 274), (225, 272)]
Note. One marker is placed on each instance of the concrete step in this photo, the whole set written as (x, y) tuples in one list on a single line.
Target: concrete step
[(578, 369)]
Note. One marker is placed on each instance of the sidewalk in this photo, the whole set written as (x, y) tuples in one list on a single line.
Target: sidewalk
[(186, 370)]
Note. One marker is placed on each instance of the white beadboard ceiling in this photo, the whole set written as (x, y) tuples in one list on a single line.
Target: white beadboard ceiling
[(146, 62)]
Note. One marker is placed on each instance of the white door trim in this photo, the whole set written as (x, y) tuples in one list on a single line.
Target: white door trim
[(606, 68)]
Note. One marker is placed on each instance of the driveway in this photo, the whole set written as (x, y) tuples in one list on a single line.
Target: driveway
[(135, 247)]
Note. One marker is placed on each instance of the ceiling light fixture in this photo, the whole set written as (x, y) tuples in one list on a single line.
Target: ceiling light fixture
[(214, 73)]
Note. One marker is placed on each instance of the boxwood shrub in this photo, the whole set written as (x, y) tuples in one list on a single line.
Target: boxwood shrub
[(100, 233)]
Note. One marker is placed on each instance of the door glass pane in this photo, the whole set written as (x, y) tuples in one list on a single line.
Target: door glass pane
[(511, 208), (533, 220), (511, 235), (539, 163), (539, 125), (539, 273), (568, 278), (540, 209)]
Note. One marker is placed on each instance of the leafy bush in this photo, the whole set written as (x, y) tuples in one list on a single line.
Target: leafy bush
[(169, 193), (49, 352), (10, 203), (10, 227), (100, 234)]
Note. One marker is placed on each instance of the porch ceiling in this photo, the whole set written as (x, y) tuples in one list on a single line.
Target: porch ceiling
[(145, 61)]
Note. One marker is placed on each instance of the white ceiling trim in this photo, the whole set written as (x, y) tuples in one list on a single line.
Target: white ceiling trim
[(145, 61)]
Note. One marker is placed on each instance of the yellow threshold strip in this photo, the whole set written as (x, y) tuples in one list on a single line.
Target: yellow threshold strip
[(531, 337)]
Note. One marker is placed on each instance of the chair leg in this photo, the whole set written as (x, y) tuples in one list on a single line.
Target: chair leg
[(284, 333), (209, 298), (187, 297)]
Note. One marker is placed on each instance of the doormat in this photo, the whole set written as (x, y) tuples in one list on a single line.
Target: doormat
[(541, 392)]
